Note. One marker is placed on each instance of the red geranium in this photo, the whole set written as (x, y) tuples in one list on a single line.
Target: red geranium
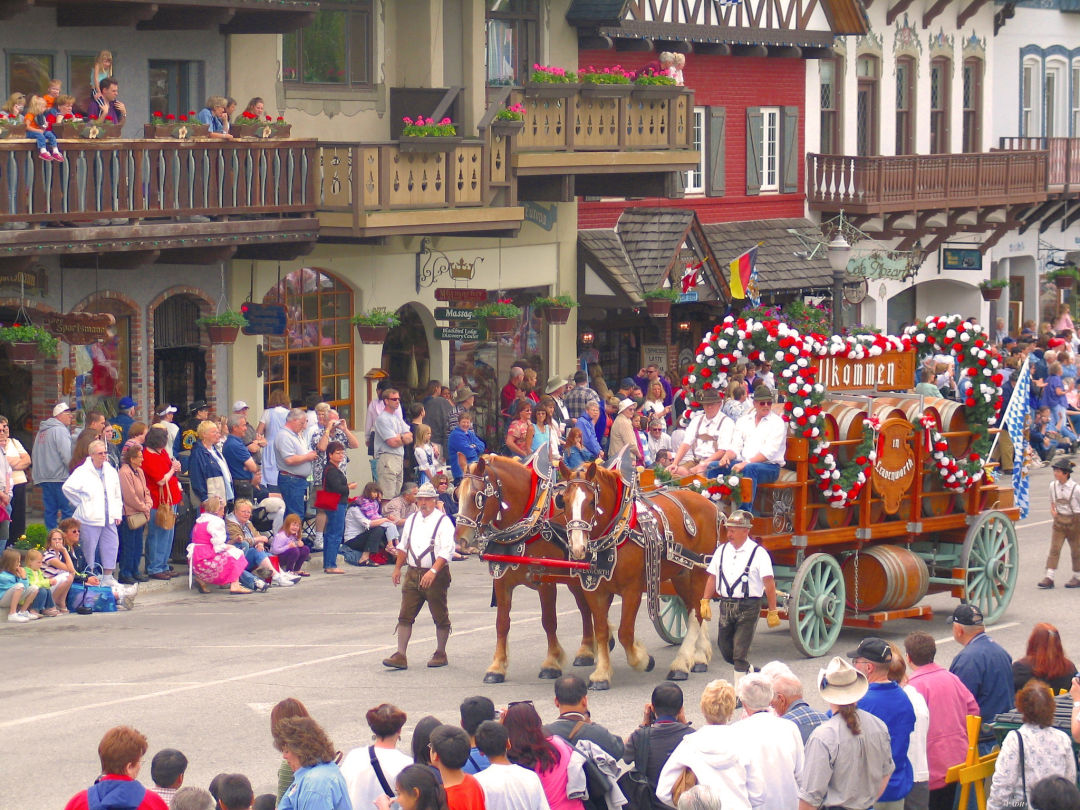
[(183, 118), (268, 118), (170, 117)]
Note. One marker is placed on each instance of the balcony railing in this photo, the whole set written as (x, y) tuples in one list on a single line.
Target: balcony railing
[(1063, 172), (156, 179), (878, 185), (379, 189), (230, 16)]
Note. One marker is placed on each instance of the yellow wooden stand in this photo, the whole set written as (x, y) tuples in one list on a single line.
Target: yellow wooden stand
[(974, 770)]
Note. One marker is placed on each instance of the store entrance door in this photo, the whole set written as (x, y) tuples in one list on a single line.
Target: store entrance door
[(180, 376)]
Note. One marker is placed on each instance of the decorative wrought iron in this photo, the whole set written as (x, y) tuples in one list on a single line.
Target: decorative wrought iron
[(438, 264)]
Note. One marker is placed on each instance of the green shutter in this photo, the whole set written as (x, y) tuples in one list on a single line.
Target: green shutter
[(715, 144), (789, 156), (755, 127)]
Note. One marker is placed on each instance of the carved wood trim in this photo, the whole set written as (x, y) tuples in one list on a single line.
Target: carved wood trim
[(718, 14), (933, 12), (895, 11), (969, 11)]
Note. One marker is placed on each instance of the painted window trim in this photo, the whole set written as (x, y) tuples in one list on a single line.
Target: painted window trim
[(700, 121)]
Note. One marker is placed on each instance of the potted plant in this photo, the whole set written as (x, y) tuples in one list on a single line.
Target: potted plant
[(606, 81), (651, 84), (555, 311), (1064, 277), (427, 135), (83, 129), (509, 120), (11, 126), (658, 302), (223, 328), (374, 325), (26, 342), (248, 125), (991, 289), (547, 81), (500, 317)]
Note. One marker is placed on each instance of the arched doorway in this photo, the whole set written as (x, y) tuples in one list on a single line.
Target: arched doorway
[(106, 369), (179, 356), (315, 356), (406, 355)]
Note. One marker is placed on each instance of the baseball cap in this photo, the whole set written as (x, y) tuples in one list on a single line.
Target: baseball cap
[(166, 409), (198, 405), (59, 408), (967, 615), (239, 405), (127, 402), (873, 649), (627, 382)]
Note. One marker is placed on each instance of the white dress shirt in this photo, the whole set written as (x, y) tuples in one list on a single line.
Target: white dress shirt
[(361, 779), (419, 532), (916, 751), (708, 436), (735, 562), (768, 437), (776, 750)]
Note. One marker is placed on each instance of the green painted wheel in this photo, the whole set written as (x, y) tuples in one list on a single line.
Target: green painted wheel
[(671, 623), (816, 605), (991, 556)]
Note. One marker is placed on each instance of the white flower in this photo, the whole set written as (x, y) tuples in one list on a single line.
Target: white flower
[(712, 362), (797, 412), (692, 378), (802, 362), (793, 388), (709, 351), (920, 338)]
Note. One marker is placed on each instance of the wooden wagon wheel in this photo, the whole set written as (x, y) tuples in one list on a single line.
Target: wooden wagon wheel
[(816, 605), (671, 623), (991, 556)]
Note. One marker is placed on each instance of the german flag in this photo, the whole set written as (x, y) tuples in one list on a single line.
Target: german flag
[(741, 270)]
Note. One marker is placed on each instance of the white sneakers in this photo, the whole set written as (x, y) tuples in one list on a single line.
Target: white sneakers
[(284, 579), (18, 617), (108, 580)]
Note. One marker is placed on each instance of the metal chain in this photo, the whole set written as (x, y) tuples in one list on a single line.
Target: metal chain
[(858, 604)]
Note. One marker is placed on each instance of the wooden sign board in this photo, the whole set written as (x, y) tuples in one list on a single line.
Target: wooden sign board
[(264, 319), (79, 328), (894, 468), (654, 354), (460, 294), (459, 333), (453, 314), (889, 371)]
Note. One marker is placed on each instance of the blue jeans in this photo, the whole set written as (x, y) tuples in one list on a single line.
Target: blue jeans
[(759, 472), (52, 494), (158, 544), (334, 534), (294, 493), (43, 600), (253, 556), (46, 141), (131, 550)]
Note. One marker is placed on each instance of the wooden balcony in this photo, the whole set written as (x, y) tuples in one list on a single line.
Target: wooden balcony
[(1063, 168), (381, 189), (159, 198), (874, 186), (229, 16), (602, 140)]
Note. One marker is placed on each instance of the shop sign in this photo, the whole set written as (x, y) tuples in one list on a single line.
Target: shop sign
[(894, 468), (688, 297), (459, 333), (453, 314), (79, 328), (32, 280), (460, 294), (961, 258), (881, 265), (264, 319), (654, 354), (543, 215), (889, 371)]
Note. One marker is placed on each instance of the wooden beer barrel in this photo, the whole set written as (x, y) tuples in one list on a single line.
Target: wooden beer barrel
[(845, 422), (936, 499), (950, 416), (890, 578)]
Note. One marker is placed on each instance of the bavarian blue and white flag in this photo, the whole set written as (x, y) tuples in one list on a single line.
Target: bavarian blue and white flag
[(1014, 421)]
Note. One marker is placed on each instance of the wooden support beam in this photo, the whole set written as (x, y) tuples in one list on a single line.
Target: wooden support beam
[(1053, 217), (785, 51), (1035, 216), (110, 14), (674, 45), (178, 19), (997, 235), (596, 42), (895, 11), (750, 50), (281, 251), (712, 48), (1071, 218), (126, 260), (933, 12), (268, 22), (642, 45), (818, 53), (199, 255), (969, 11)]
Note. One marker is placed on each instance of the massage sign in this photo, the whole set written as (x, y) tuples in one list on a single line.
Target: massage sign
[(807, 365)]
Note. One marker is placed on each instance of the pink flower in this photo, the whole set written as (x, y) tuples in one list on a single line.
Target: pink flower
[(407, 120), (445, 121)]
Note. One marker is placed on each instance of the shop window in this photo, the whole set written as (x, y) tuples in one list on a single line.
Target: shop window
[(513, 40), (30, 72), (335, 49), (104, 366), (905, 105), (315, 354)]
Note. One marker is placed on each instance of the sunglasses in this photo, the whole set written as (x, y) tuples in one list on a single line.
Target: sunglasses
[(519, 703)]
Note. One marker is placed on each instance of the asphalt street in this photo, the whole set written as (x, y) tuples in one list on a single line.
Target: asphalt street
[(201, 673)]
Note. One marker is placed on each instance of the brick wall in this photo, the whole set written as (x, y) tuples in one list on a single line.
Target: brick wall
[(735, 83)]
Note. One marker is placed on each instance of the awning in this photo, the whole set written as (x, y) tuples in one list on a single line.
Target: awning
[(780, 263)]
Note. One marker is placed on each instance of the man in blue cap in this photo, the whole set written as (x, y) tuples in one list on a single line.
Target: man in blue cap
[(984, 667), (123, 420)]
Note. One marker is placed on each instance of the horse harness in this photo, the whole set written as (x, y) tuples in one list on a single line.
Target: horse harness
[(518, 531)]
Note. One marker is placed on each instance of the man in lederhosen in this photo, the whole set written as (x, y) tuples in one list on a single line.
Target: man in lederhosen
[(740, 574), (1065, 509), (426, 547), (710, 434)]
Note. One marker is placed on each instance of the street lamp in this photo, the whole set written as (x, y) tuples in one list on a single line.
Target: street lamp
[(839, 253)]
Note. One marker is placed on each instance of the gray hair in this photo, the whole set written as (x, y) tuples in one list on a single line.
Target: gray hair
[(192, 798), (788, 685), (409, 486), (96, 444), (296, 413), (516, 372), (774, 668), (755, 691), (699, 797), (234, 420), (456, 382)]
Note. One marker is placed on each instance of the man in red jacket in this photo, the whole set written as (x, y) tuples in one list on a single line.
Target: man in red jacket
[(121, 752)]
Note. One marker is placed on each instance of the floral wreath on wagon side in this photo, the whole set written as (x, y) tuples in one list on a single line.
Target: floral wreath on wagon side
[(841, 482)]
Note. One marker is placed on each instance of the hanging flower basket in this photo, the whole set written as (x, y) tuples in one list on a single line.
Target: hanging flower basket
[(501, 326), (658, 307), (1064, 277), (556, 310), (375, 324), (26, 342), (223, 334), (506, 127), (375, 335), (500, 317), (223, 328), (990, 293), (556, 316)]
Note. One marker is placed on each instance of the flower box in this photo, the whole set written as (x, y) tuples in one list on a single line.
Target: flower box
[(551, 89), (86, 131), (500, 326), (656, 91), (428, 143), (16, 131), (991, 293), (1064, 282), (22, 353), (506, 127), (598, 90), (222, 334), (179, 131), (374, 335), (260, 130), (556, 316), (658, 307)]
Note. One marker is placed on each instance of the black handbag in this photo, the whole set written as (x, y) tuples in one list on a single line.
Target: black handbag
[(634, 783)]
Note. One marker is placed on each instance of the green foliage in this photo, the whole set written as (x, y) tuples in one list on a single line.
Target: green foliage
[(605, 75), (1068, 271), (548, 74), (28, 333), (994, 284), (35, 537), (377, 316), (654, 81), (808, 318), (503, 308), (226, 318), (558, 301), (661, 294)]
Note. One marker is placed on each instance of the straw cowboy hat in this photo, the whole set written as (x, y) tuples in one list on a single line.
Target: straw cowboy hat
[(841, 684)]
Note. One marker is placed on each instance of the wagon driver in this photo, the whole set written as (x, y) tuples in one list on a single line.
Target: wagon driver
[(740, 574), (426, 547), (1065, 508), (759, 443), (708, 437)]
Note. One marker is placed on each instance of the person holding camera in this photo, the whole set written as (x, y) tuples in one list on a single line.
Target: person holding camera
[(662, 729), (1042, 437)]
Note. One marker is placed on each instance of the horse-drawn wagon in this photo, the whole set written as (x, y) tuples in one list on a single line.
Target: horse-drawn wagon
[(884, 498)]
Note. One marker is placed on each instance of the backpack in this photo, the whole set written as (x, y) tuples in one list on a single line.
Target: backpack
[(597, 784), (635, 782)]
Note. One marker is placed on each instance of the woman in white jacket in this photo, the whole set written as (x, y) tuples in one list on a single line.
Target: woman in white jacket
[(94, 490)]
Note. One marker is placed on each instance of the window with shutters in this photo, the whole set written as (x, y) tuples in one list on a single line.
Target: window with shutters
[(695, 178), (773, 153), (940, 79), (832, 82), (973, 71), (905, 105)]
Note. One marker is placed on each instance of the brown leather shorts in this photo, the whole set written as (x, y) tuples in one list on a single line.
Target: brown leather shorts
[(413, 597)]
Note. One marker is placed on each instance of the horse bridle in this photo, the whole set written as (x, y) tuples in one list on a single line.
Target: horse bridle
[(486, 489), (618, 525)]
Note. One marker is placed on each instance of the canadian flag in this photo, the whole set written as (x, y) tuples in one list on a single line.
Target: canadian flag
[(691, 277)]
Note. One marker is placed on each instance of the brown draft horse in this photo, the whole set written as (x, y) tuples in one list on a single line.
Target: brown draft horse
[(593, 511), (496, 496)]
